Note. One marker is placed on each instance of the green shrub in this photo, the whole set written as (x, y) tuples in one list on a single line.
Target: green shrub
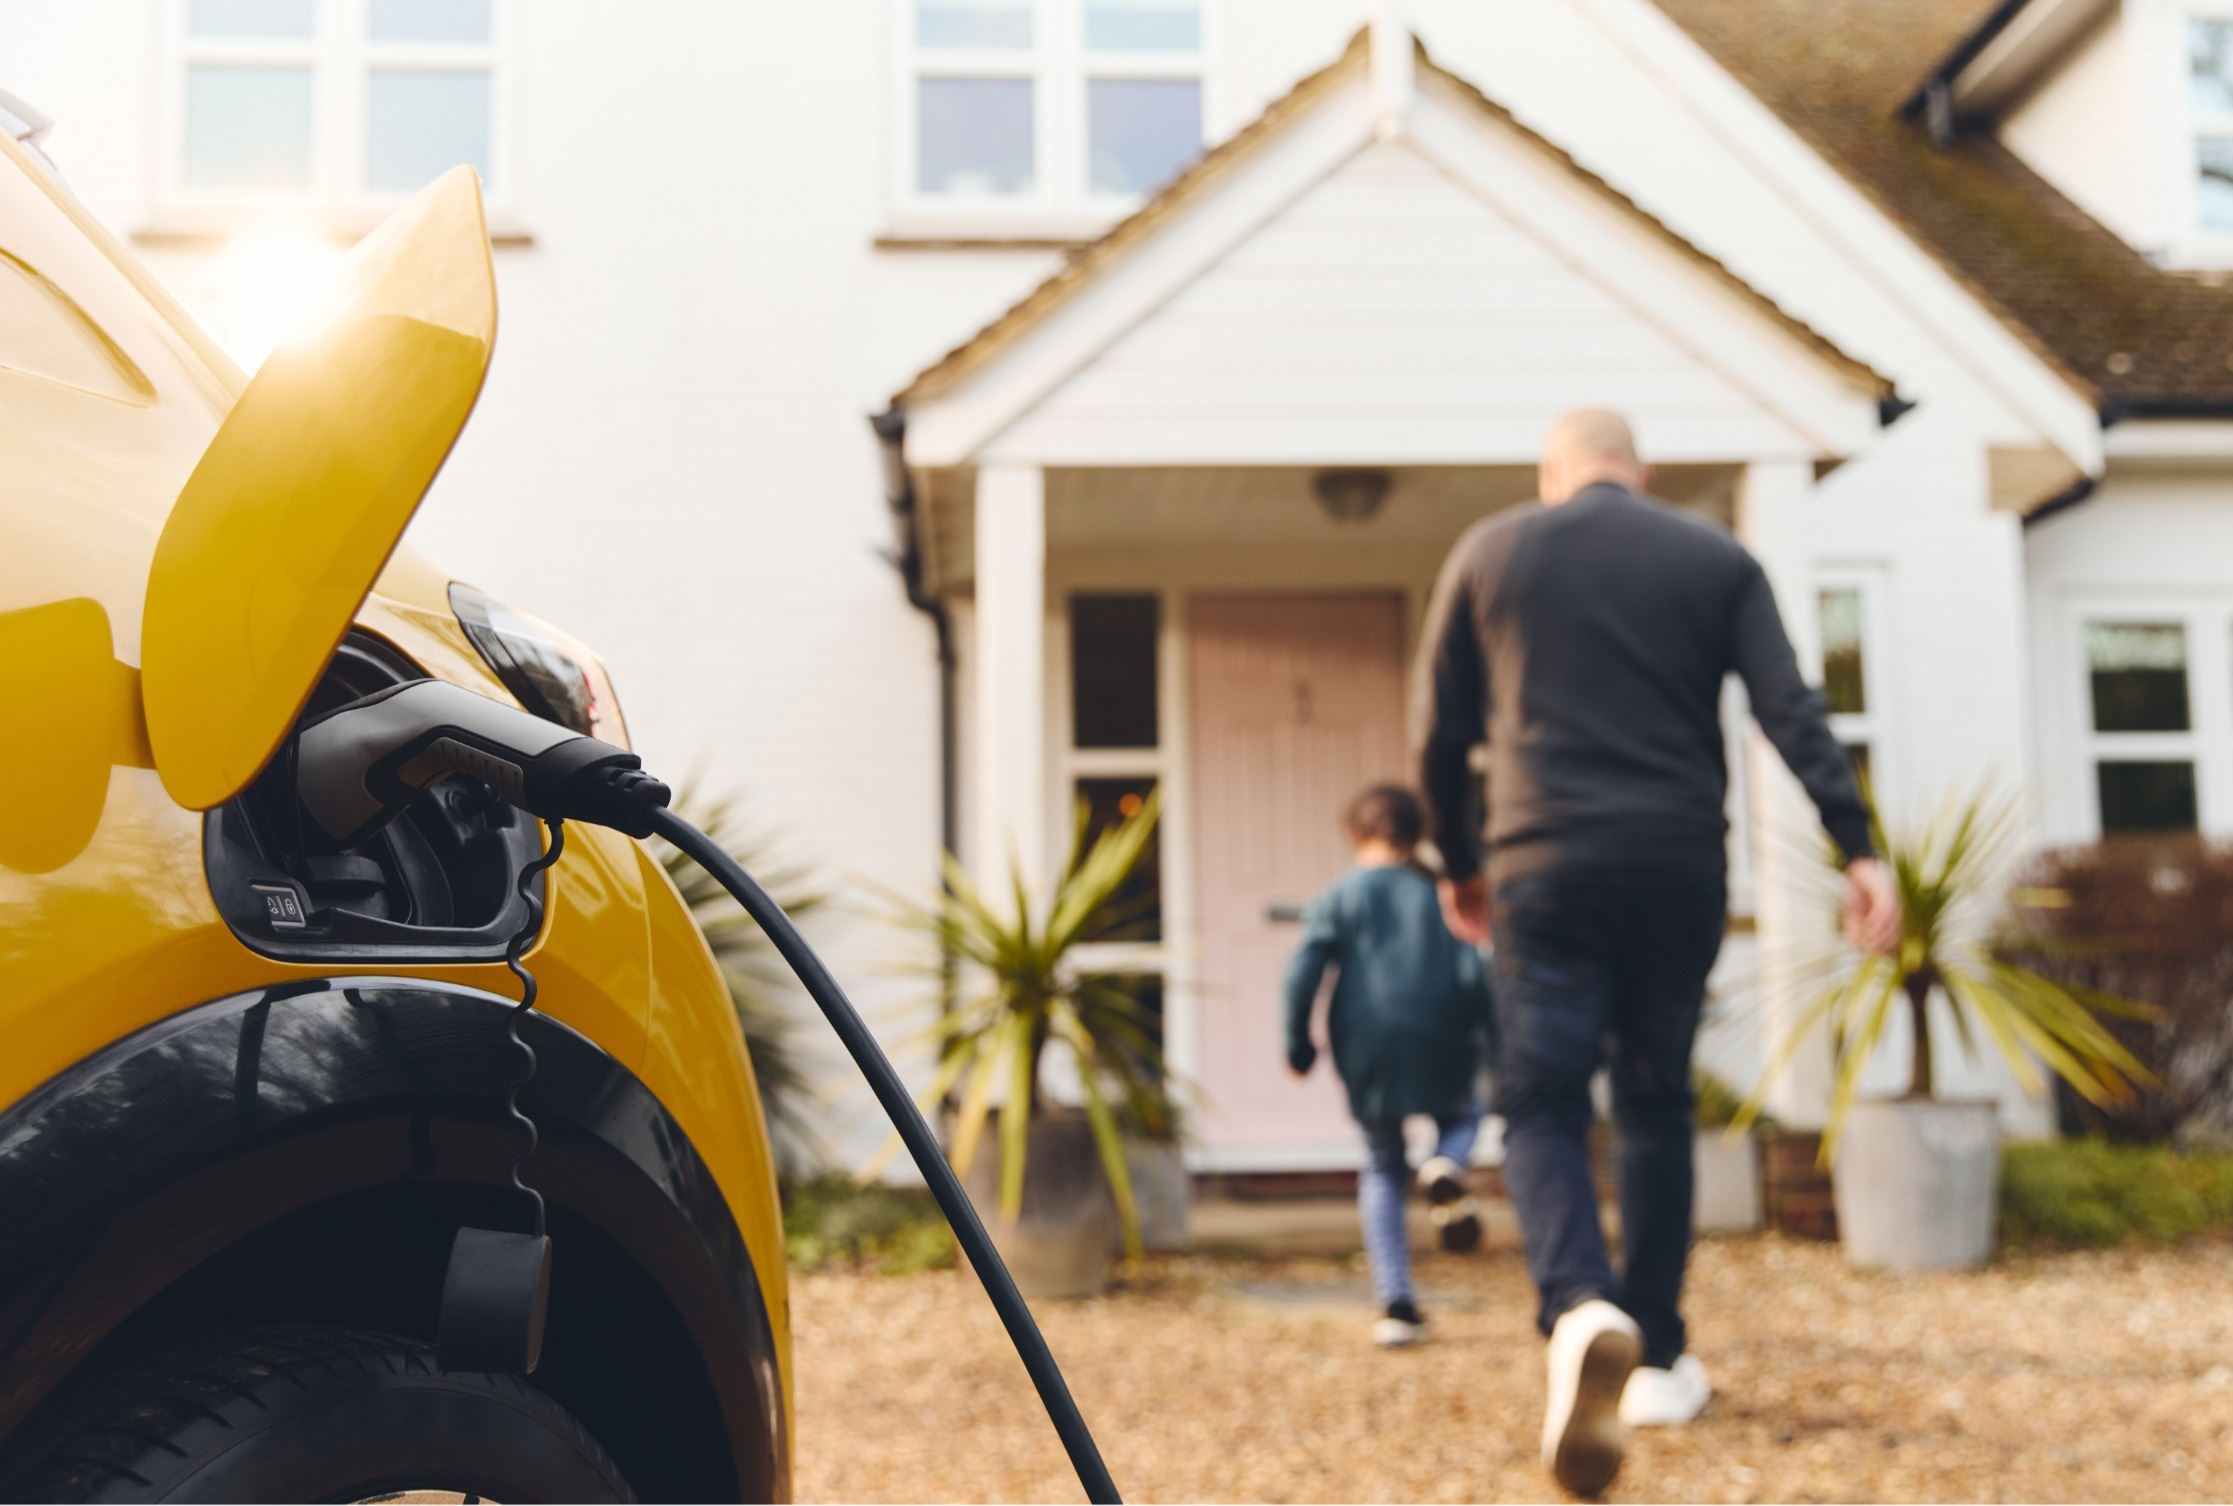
[(833, 1221), (2148, 918), (2093, 1193)]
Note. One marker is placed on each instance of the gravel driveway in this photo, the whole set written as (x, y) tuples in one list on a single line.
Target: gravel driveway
[(2076, 1377)]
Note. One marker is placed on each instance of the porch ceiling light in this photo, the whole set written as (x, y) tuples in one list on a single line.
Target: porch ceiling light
[(1352, 495)]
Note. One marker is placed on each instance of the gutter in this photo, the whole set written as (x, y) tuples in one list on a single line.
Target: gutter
[(2118, 410), (2070, 496), (1934, 95), (906, 556), (2124, 410)]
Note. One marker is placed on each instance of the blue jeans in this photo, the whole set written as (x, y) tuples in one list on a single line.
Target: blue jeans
[(1604, 966), (1384, 1186)]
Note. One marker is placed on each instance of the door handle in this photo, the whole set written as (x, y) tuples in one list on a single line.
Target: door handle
[(1284, 915)]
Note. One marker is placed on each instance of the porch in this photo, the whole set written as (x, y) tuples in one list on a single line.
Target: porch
[(1239, 637), (1186, 501)]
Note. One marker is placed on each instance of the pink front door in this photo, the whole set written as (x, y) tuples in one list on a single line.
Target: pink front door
[(1297, 705)]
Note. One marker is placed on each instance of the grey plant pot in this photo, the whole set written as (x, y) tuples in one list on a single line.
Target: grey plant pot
[(1727, 1196), (1917, 1182), (1163, 1192), (1059, 1245)]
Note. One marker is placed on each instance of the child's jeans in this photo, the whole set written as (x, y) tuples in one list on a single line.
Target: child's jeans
[(1384, 1186)]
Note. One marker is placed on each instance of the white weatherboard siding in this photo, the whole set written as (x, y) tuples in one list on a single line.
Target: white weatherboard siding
[(1388, 309)]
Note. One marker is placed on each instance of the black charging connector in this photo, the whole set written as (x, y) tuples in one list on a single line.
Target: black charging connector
[(358, 765)]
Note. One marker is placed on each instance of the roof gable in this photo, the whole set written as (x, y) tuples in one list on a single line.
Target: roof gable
[(1464, 271)]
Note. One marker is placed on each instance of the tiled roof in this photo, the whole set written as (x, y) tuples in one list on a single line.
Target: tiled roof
[(950, 369), (2133, 336)]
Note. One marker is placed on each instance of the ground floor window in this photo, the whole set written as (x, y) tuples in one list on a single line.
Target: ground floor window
[(1113, 758), (2146, 749), (1849, 616)]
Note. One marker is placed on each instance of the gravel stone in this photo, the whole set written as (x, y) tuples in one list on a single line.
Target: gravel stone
[(2084, 1377)]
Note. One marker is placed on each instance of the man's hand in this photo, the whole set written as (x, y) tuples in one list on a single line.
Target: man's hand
[(1872, 910), (1465, 909)]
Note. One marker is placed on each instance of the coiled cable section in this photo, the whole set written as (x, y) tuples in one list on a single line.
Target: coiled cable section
[(521, 940)]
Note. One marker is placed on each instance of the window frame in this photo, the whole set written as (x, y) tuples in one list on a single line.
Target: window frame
[(2191, 244), (1157, 762), (1870, 727), (2207, 743), (1062, 203), (341, 56)]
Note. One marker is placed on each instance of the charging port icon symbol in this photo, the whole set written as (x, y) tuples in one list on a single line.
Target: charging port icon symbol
[(282, 906)]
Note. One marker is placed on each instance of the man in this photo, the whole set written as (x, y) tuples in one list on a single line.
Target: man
[(1587, 640)]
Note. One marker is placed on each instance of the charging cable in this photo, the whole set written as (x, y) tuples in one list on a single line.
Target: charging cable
[(358, 765), (969, 1230)]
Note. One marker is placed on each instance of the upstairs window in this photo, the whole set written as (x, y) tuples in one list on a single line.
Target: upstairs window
[(330, 102), (1033, 108), (2209, 45)]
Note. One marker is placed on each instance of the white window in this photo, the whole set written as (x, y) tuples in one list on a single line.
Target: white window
[(1113, 671), (338, 105), (2209, 110), (1848, 620), (1020, 112), (2139, 715), (2143, 750)]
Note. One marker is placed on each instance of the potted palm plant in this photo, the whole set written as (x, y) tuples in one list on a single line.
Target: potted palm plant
[(1060, 1187), (1154, 1130), (1915, 1174)]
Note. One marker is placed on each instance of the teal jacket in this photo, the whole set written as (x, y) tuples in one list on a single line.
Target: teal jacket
[(1410, 1020)]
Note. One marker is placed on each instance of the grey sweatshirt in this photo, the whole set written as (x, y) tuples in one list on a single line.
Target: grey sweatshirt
[(1588, 643)]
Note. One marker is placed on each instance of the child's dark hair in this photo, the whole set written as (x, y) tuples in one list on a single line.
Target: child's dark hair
[(1388, 812)]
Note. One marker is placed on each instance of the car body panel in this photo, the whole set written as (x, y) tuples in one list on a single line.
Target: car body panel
[(107, 925)]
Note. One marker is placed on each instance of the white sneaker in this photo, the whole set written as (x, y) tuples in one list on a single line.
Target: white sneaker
[(1656, 1398), (1399, 1326), (1394, 1333), (1593, 1349)]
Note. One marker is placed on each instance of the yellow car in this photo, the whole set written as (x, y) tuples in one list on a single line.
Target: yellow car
[(252, 1079)]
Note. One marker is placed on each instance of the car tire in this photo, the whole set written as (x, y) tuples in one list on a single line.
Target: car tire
[(311, 1414)]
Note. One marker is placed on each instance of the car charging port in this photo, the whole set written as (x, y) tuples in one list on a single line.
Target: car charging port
[(435, 884)]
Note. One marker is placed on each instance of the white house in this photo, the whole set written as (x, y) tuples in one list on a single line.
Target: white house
[(942, 411)]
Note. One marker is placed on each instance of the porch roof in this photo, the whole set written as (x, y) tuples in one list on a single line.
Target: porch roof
[(964, 371)]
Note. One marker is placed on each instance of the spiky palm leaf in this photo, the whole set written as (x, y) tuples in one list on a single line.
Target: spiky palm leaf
[(761, 987), (1021, 989), (1951, 878)]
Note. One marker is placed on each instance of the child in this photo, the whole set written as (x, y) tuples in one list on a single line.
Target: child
[(1409, 1017)]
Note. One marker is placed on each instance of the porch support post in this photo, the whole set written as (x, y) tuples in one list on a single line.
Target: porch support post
[(1010, 829), (1773, 500)]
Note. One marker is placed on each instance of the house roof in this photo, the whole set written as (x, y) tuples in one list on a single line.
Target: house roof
[(951, 369), (2137, 339)]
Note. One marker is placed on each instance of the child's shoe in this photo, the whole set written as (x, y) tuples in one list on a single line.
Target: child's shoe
[(1456, 1217), (1400, 1325), (1458, 1225), (1442, 1180)]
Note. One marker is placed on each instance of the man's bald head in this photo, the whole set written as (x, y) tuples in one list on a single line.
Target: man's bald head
[(1587, 446)]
